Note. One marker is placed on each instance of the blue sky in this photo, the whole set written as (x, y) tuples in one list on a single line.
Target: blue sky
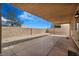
[(25, 18)]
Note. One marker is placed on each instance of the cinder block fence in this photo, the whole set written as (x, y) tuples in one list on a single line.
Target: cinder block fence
[(18, 31)]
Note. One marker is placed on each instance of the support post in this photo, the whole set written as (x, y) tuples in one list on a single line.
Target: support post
[(31, 31)]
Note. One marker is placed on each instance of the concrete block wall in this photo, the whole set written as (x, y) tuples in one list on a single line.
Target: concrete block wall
[(64, 30), (38, 31), (59, 31), (51, 31), (8, 32), (14, 31)]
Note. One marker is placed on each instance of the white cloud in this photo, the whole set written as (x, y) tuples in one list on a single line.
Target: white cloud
[(24, 15), (3, 19)]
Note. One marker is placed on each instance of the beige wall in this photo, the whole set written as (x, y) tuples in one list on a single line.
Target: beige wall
[(75, 37), (18, 31), (50, 31), (38, 31), (14, 31), (74, 30), (66, 29), (59, 31)]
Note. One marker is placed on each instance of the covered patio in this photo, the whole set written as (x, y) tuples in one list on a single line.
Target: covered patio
[(59, 39)]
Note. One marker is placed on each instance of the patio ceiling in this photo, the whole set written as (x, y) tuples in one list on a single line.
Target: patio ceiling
[(56, 13)]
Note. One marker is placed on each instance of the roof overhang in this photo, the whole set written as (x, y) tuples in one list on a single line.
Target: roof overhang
[(56, 13)]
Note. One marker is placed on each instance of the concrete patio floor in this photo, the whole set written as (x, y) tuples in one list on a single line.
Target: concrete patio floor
[(43, 46), (18, 39)]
